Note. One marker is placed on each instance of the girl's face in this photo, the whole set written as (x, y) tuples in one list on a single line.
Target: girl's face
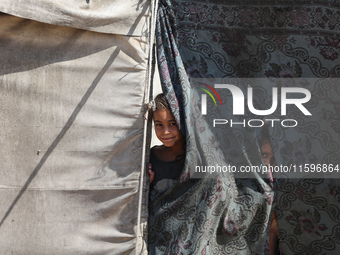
[(166, 128)]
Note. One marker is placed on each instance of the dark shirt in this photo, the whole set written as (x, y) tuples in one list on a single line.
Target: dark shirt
[(167, 174)]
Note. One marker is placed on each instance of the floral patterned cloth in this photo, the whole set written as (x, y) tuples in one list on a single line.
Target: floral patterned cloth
[(250, 39)]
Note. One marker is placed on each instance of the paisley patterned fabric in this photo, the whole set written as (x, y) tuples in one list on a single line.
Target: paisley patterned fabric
[(251, 39)]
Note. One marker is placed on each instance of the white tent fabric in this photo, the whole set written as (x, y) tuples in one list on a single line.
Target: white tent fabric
[(72, 128), (113, 17)]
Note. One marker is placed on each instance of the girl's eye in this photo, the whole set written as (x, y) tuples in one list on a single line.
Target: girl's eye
[(264, 155), (173, 124), (158, 125)]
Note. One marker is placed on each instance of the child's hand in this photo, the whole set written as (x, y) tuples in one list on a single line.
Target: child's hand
[(151, 173)]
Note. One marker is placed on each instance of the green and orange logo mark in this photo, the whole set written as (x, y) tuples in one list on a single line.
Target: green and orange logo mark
[(204, 97)]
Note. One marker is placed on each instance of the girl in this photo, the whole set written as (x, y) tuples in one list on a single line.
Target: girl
[(167, 160)]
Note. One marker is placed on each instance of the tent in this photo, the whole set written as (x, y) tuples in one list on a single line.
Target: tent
[(74, 79)]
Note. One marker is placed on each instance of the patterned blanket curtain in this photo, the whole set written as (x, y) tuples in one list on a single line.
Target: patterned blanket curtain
[(253, 40), (206, 215)]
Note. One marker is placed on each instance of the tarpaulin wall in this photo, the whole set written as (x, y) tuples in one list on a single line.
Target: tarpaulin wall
[(72, 91)]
